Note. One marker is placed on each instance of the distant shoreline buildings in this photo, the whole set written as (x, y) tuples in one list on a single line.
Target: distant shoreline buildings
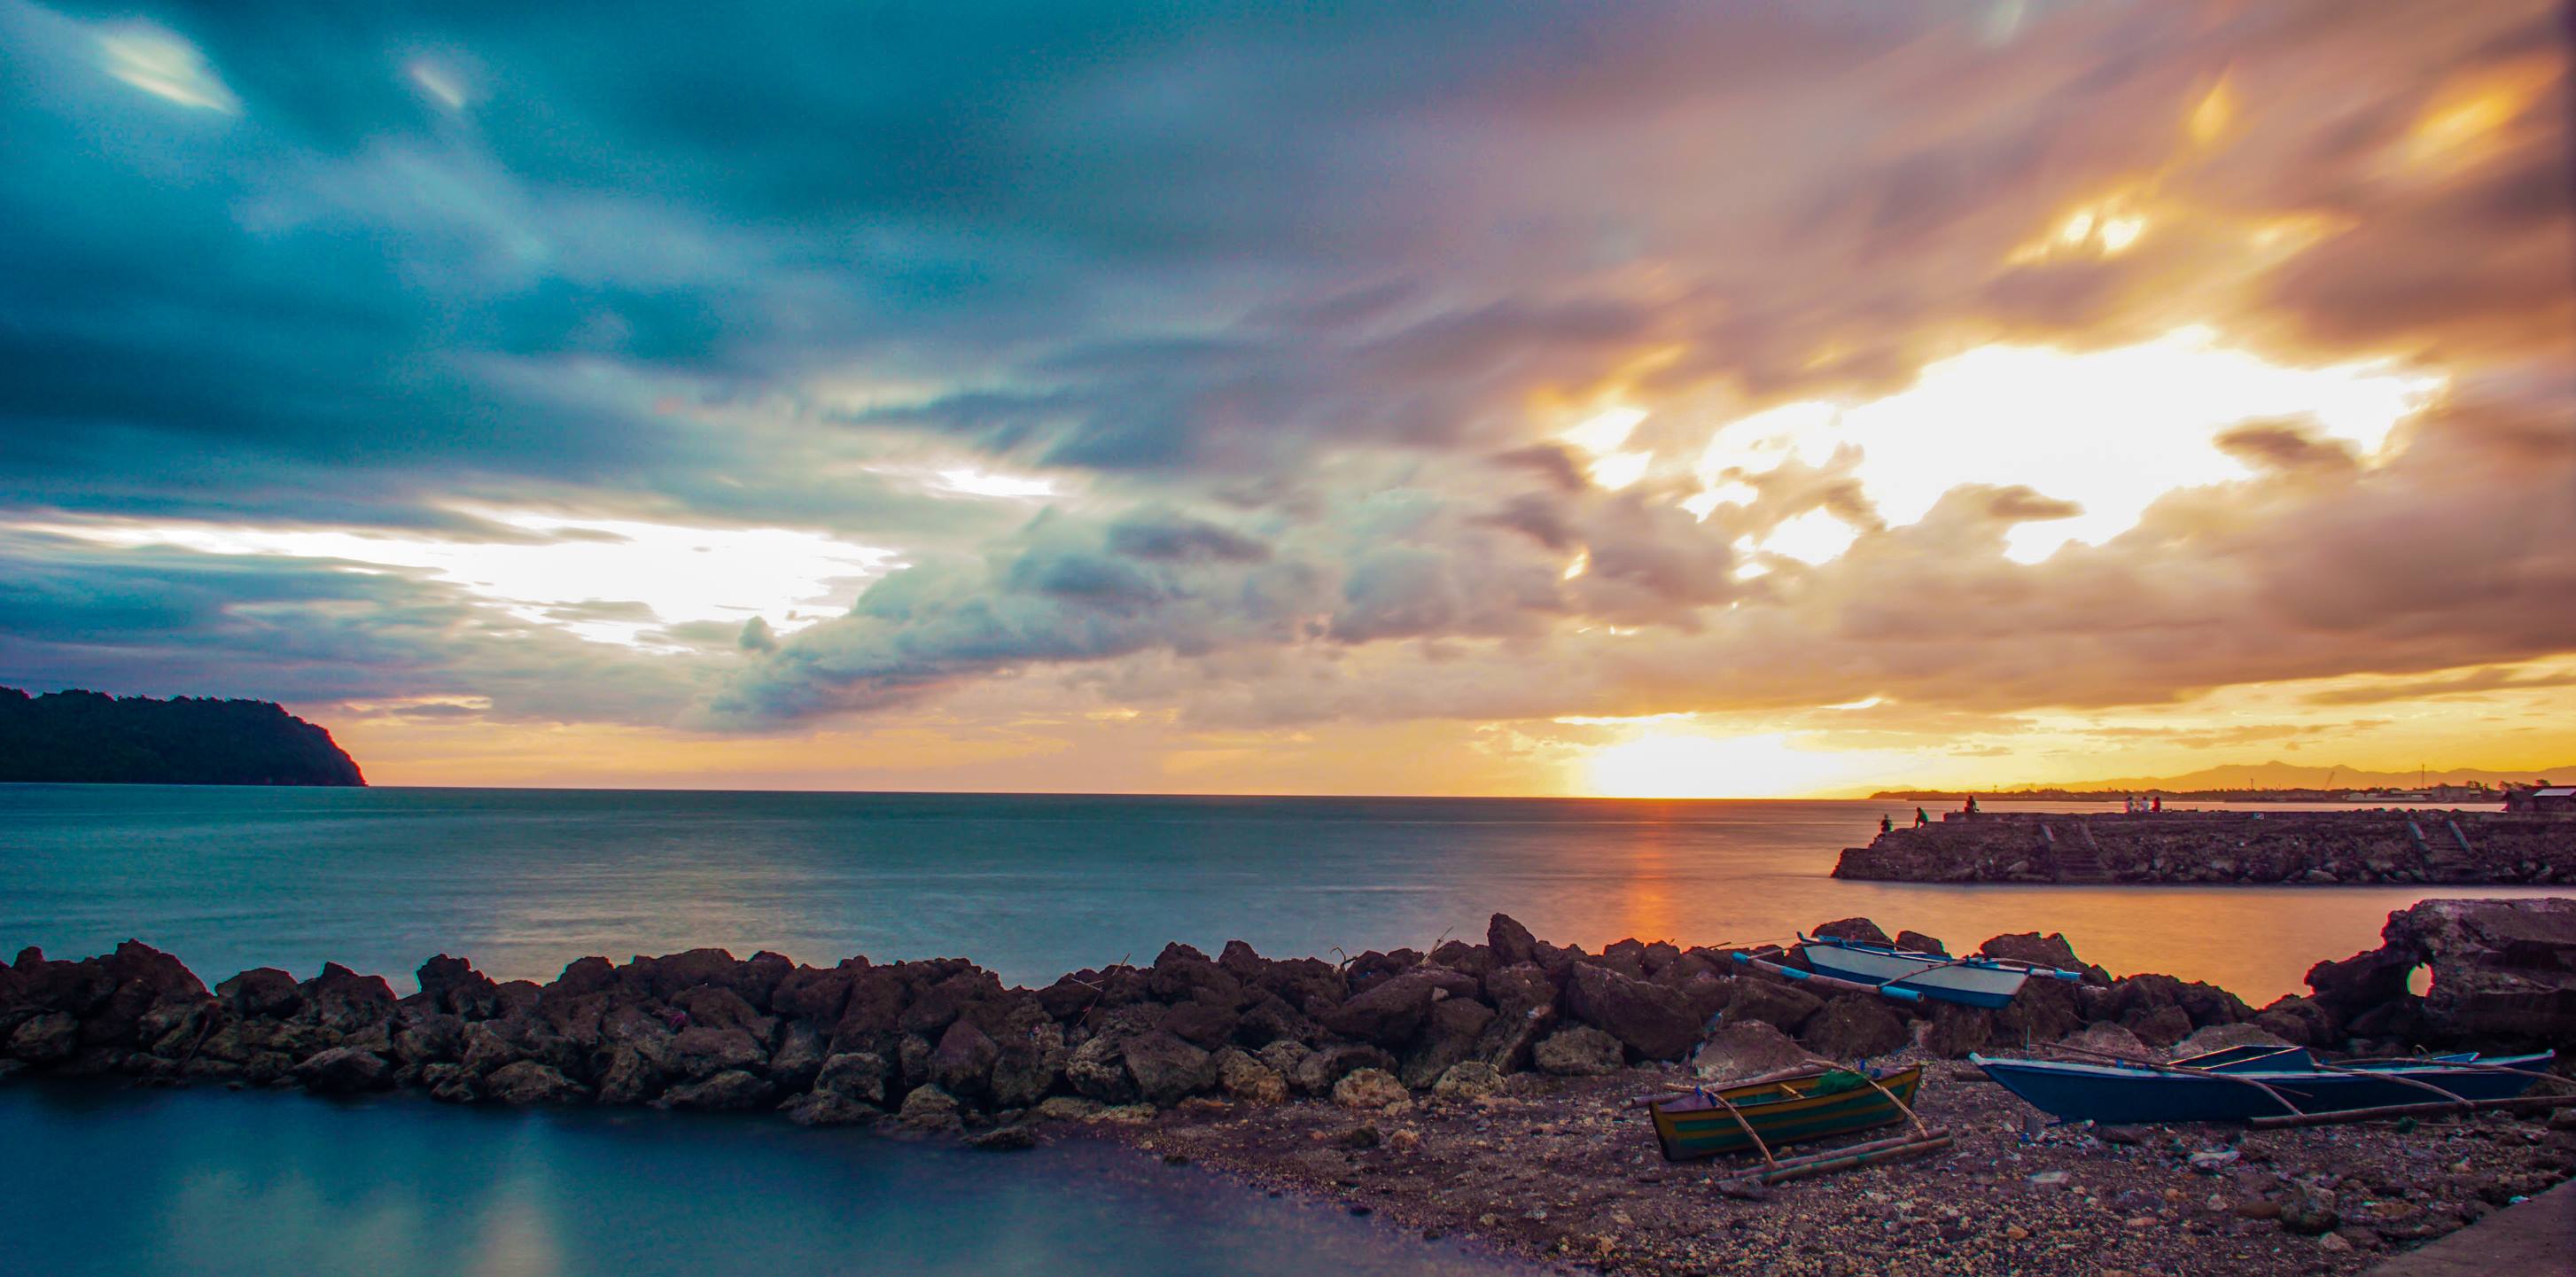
[(2540, 795)]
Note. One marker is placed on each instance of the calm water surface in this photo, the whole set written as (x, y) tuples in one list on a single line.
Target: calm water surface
[(98, 1182), (524, 881), (95, 1180)]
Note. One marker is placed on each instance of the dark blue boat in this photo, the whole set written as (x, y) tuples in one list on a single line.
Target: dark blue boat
[(2218, 1091)]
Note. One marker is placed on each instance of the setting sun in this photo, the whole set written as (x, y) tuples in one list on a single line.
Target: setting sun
[(1685, 765)]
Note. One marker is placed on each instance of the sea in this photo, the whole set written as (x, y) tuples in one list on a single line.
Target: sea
[(98, 1180)]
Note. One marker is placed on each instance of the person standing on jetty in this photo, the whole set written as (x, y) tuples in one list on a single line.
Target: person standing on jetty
[(1971, 807)]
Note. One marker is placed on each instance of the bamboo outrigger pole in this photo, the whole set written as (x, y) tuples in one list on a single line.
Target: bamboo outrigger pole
[(2455, 1098), (2428, 1109), (2559, 1078), (1888, 991), (1835, 1159), (1901, 1106)]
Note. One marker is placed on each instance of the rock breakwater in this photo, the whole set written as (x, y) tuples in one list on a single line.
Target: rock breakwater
[(941, 1044), (2396, 846)]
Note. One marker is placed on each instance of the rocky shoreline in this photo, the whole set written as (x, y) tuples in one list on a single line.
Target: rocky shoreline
[(1475, 1089), (2289, 848)]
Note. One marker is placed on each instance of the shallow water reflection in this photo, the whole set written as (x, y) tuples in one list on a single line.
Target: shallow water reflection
[(206, 1183)]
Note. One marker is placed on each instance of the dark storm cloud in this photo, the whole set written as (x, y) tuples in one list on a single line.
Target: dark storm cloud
[(361, 296), (1162, 537)]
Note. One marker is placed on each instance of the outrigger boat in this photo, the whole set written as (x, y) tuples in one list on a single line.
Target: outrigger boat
[(1906, 975), (2271, 1086), (1808, 1103)]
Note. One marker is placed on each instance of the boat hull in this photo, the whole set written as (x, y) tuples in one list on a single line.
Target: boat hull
[(2122, 1094), (1690, 1127), (1974, 986)]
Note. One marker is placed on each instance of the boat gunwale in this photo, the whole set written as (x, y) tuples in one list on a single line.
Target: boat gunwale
[(2225, 1058), (2146, 1073), (1973, 961), (1898, 1081)]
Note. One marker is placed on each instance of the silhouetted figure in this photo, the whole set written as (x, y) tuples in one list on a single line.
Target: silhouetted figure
[(1971, 808), (1920, 820), (1886, 825), (2156, 805)]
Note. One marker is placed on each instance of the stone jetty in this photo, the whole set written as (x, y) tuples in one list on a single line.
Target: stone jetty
[(1474, 1088), (2327, 847), (941, 1043)]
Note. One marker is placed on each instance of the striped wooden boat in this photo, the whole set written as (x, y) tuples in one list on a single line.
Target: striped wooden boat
[(1808, 1106)]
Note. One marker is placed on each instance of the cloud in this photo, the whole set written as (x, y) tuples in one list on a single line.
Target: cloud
[(167, 621), (1232, 366), (1166, 538), (2470, 683), (166, 67), (2285, 445)]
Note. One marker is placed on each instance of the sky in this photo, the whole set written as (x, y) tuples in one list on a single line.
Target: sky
[(1776, 398)]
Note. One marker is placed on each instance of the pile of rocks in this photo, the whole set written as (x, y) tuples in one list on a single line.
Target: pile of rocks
[(942, 1044), (2226, 847)]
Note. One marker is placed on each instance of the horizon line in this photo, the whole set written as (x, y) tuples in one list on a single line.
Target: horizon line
[(1996, 794)]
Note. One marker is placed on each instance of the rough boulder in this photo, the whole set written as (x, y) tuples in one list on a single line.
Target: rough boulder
[(1649, 1019), (2503, 972), (1744, 1049)]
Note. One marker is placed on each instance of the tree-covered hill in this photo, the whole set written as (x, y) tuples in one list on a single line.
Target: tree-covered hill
[(87, 737)]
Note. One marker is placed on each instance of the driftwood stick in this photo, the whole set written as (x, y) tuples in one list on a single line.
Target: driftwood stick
[(1102, 990), (205, 1030), (1848, 1158), (2388, 1111)]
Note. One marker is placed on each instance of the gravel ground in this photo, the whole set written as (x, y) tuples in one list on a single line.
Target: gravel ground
[(1561, 1171)]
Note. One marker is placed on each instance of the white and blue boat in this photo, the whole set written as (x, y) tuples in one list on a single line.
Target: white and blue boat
[(1976, 982), (2286, 1082)]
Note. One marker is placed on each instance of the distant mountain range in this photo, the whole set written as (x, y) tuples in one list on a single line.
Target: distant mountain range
[(2273, 776), (85, 737)]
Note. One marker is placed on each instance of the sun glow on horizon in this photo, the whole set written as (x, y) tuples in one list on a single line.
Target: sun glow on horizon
[(1670, 764)]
